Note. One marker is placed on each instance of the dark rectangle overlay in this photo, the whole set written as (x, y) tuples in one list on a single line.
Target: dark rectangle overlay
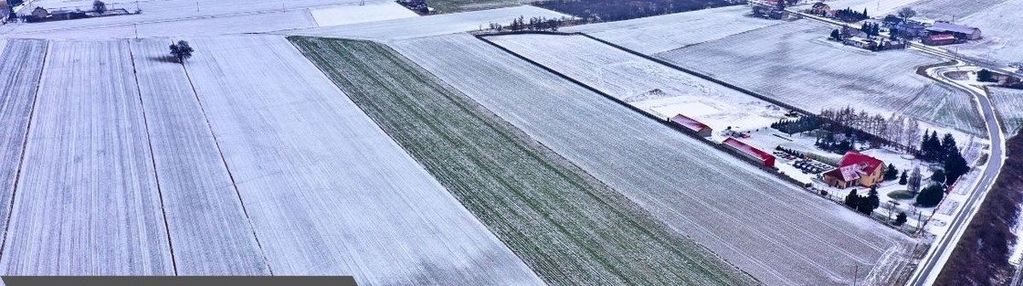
[(179, 280)]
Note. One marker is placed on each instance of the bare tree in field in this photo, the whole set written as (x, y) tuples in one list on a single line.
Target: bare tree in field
[(906, 13), (181, 51), (99, 6)]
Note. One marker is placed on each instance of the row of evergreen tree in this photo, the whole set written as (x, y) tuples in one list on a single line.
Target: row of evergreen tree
[(851, 16), (534, 24), (945, 151)]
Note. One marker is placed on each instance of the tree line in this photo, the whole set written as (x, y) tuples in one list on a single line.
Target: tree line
[(534, 24)]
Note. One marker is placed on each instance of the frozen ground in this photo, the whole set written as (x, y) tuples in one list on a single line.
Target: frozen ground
[(648, 85), (794, 63), (448, 6), (21, 64), (1009, 104), (209, 229), (327, 190), (997, 19), (776, 232), (946, 10), (194, 18), (567, 226), (240, 164), (87, 199), (352, 14), (428, 25), (651, 35), (1002, 31)]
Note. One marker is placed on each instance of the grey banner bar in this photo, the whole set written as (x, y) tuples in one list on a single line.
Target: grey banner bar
[(178, 280)]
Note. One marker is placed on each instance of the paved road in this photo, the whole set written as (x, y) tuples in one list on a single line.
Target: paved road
[(939, 252), (942, 249)]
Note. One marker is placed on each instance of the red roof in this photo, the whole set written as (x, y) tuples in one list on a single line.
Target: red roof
[(753, 152), (855, 158), (847, 173), (689, 123), (942, 37)]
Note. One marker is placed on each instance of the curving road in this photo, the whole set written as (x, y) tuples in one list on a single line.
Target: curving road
[(939, 252)]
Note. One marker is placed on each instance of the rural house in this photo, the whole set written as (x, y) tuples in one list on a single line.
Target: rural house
[(939, 39), (959, 31), (691, 125), (750, 152), (855, 168)]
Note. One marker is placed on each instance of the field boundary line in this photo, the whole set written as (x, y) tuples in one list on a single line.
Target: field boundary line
[(152, 157), (230, 175), (24, 145)]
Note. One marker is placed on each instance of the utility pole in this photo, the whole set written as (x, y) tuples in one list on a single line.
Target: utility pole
[(856, 272)]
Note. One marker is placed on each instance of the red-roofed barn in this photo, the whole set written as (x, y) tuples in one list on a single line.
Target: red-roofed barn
[(855, 168), (750, 152), (692, 125)]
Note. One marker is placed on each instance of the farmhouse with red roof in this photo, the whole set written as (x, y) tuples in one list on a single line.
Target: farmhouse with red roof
[(855, 168)]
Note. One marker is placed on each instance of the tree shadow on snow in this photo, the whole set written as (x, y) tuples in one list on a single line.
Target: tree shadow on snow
[(165, 59)]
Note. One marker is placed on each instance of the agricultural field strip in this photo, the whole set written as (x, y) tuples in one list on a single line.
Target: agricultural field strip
[(646, 157), (448, 6), (208, 227), (630, 78), (1009, 104), (427, 26), (90, 139), (651, 35), (603, 62), (334, 16), (880, 83), (566, 225), (268, 22), (1001, 28), (327, 190), (21, 65), (166, 11)]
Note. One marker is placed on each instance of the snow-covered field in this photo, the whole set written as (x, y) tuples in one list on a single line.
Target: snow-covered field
[(794, 63), (344, 15), (161, 18), (1002, 30), (327, 191), (87, 199), (208, 227), (946, 10), (1009, 105), (997, 19), (656, 88), (776, 232), (651, 35), (21, 63), (265, 166), (428, 25)]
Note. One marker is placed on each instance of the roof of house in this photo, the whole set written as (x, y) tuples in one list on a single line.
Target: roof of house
[(689, 123), (753, 151), (855, 158), (949, 27), (847, 173)]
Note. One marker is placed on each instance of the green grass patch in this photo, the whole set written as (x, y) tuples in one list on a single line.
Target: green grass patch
[(566, 225)]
